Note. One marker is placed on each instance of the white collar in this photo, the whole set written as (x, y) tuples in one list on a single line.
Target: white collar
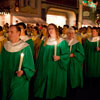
[(15, 47), (24, 38), (72, 41), (51, 41), (94, 39)]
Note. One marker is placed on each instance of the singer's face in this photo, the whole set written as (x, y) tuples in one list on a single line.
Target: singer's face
[(64, 31), (70, 35), (94, 33), (13, 34), (52, 31)]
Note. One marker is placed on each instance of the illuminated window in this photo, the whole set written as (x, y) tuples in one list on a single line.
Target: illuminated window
[(56, 19)]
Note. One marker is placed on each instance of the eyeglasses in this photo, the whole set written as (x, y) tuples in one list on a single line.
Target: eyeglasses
[(50, 28)]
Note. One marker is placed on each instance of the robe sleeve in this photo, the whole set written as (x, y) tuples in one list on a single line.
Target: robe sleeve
[(28, 63), (79, 53), (30, 42), (64, 55)]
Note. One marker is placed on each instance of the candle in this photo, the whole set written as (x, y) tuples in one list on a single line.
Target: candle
[(21, 60), (55, 48), (70, 48), (97, 43)]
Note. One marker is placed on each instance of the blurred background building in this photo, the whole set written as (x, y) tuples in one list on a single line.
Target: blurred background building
[(72, 12)]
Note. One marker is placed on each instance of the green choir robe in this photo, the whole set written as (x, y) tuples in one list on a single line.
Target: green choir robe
[(92, 58), (29, 41), (51, 75), (75, 71), (13, 87)]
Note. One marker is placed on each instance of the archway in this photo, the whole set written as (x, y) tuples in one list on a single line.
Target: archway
[(61, 16)]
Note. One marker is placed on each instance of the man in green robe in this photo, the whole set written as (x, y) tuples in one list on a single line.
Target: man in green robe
[(15, 80), (92, 64), (75, 71), (92, 60), (51, 77), (24, 37)]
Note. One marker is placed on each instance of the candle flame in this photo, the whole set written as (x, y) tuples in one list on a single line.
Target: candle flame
[(55, 43), (22, 54)]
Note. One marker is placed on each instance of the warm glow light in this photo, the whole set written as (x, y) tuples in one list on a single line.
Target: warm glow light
[(58, 20), (16, 19), (7, 18)]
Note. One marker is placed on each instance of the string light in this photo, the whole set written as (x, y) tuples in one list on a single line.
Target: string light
[(90, 3)]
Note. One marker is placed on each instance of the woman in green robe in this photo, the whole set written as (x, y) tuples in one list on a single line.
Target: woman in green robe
[(75, 72), (51, 66), (15, 81)]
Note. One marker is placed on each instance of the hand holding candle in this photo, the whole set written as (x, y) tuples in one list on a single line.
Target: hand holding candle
[(21, 61), (72, 55), (19, 73), (98, 49), (56, 58), (70, 48)]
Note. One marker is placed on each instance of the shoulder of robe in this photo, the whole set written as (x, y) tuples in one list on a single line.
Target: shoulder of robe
[(15, 47)]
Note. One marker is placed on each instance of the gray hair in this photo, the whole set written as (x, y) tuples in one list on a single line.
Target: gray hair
[(70, 30)]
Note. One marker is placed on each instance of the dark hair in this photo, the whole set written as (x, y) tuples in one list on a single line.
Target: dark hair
[(36, 28), (94, 28), (66, 26), (37, 24), (22, 24), (17, 27), (44, 26), (75, 28), (60, 29), (1, 28)]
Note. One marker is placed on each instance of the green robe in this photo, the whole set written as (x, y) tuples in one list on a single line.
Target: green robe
[(92, 59), (75, 72), (13, 87), (51, 75), (29, 41)]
